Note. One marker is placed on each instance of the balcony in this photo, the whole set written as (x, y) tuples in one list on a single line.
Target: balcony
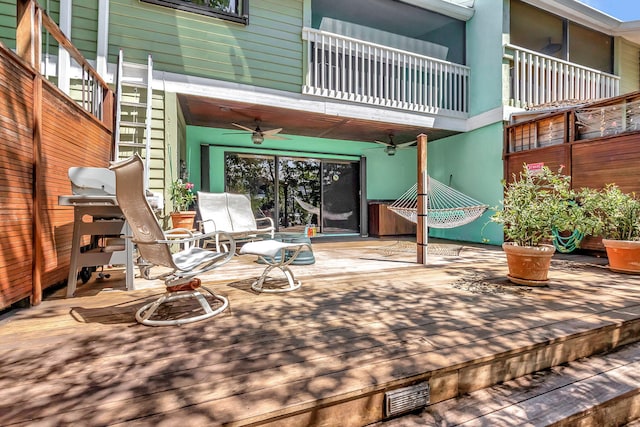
[(348, 69), (538, 79)]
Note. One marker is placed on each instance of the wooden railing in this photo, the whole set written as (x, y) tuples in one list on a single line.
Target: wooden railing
[(538, 79), (91, 92), (354, 70), (43, 133)]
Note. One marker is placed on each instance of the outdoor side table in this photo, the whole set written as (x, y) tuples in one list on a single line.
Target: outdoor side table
[(275, 254)]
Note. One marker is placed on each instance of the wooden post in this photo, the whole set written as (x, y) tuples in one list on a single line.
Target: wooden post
[(38, 228), (422, 230), (28, 32)]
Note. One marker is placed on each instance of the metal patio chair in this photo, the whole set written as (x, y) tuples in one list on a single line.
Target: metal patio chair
[(178, 270)]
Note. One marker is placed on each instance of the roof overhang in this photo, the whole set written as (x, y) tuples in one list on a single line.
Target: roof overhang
[(590, 17), (217, 104), (458, 9)]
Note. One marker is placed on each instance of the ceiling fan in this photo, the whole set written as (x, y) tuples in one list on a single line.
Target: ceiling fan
[(391, 146), (258, 135)]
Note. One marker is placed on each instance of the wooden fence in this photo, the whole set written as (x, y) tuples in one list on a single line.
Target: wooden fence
[(43, 132), (596, 144)]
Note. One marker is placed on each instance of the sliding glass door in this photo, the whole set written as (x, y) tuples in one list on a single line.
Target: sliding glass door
[(340, 197), (298, 191)]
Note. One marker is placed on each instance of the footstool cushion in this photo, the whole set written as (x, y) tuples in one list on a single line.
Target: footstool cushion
[(268, 251)]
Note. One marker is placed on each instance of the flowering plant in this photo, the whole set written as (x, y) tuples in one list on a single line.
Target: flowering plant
[(182, 195)]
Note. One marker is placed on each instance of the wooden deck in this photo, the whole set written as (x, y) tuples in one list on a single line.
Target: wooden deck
[(367, 319)]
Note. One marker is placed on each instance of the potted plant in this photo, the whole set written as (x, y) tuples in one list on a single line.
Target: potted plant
[(182, 196), (619, 214), (535, 204)]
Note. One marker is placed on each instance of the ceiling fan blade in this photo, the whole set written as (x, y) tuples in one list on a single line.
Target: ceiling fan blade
[(271, 136), (384, 143), (271, 132), (405, 144), (243, 127)]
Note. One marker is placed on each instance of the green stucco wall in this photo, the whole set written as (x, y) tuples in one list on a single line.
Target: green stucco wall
[(484, 55), (472, 164), (265, 53), (388, 177)]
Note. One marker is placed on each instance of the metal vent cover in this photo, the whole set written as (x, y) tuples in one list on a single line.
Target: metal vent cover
[(406, 399)]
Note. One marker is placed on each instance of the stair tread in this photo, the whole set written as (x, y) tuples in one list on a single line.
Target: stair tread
[(541, 398)]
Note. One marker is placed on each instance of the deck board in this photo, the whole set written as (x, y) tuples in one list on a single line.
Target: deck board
[(362, 322)]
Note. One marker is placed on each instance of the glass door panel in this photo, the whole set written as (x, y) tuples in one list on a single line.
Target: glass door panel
[(299, 193), (340, 197), (254, 176)]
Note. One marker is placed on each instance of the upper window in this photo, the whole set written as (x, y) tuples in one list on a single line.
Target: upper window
[(231, 10), (543, 32)]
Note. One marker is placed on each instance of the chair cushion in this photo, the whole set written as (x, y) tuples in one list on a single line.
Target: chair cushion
[(190, 258), (267, 248)]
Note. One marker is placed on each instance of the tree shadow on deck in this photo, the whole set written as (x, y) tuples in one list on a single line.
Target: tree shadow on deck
[(343, 334)]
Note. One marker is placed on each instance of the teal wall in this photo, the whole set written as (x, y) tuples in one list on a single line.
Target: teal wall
[(484, 55), (472, 164), (387, 176), (266, 53)]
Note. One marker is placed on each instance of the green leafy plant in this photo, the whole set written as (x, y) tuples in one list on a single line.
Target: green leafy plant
[(617, 214), (182, 195), (536, 203)]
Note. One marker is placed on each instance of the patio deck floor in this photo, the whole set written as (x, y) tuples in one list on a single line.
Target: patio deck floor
[(366, 319)]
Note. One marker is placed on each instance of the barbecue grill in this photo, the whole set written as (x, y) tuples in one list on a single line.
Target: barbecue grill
[(96, 214)]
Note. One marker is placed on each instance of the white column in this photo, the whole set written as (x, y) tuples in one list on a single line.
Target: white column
[(102, 48), (64, 65)]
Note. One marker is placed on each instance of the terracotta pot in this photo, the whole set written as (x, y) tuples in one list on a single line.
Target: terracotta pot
[(183, 219), (528, 265), (624, 255)]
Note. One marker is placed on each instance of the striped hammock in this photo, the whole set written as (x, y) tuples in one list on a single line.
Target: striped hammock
[(446, 207)]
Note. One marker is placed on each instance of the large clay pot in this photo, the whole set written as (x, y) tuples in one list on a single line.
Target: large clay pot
[(528, 265), (624, 255), (183, 219)]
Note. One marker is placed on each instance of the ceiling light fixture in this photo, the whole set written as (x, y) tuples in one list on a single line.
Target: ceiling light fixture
[(257, 138)]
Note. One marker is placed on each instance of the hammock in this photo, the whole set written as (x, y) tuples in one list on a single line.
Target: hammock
[(314, 210), (447, 208)]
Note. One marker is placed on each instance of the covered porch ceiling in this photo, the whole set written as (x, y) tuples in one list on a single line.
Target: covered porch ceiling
[(220, 113)]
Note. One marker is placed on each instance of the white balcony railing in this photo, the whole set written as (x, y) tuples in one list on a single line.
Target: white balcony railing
[(538, 79), (354, 70)]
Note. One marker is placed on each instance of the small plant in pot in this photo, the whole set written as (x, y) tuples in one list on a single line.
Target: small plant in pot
[(182, 196), (536, 203), (619, 216)]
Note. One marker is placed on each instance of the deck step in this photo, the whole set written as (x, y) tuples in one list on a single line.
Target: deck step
[(595, 391)]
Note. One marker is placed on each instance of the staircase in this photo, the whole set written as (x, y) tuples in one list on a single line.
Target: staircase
[(600, 390), (133, 111)]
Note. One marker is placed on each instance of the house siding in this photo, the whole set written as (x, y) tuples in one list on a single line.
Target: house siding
[(8, 23), (266, 53), (158, 154), (84, 27), (629, 66)]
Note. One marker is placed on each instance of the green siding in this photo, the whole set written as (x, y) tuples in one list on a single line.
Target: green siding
[(266, 53), (84, 27), (8, 23), (627, 66)]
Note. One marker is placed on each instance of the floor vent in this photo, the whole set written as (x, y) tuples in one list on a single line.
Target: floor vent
[(406, 399)]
